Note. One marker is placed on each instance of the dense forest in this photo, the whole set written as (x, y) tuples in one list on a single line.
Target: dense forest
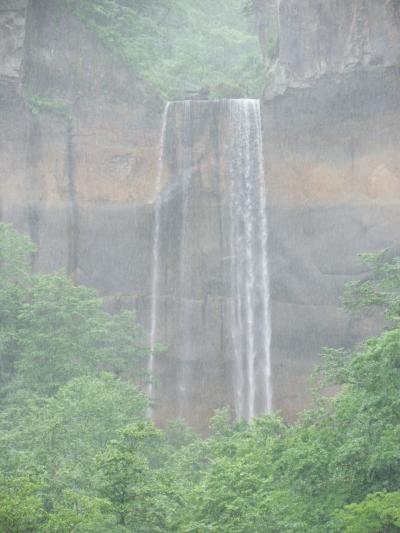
[(78, 454)]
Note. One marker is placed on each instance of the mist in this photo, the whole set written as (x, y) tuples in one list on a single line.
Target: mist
[(199, 266)]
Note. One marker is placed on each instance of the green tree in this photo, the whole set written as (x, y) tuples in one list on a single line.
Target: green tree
[(60, 408), (77, 513), (381, 287), (76, 454), (378, 513), (61, 435), (21, 509), (132, 478), (64, 332), (15, 251)]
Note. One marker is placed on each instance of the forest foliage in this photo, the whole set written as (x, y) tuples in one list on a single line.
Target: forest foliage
[(77, 454), (181, 46)]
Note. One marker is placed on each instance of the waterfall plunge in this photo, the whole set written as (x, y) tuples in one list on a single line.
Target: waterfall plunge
[(156, 257), (250, 315), (248, 279), (184, 176)]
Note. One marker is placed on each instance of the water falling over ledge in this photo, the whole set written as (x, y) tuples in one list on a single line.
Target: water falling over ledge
[(250, 315), (156, 257), (179, 239)]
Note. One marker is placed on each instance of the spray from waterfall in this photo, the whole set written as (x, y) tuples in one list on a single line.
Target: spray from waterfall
[(250, 314), (156, 256)]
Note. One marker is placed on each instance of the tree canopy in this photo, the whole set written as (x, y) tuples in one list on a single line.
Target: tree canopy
[(77, 454)]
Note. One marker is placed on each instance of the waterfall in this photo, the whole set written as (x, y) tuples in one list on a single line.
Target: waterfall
[(156, 256), (250, 315), (184, 289), (279, 17), (183, 177), (179, 290)]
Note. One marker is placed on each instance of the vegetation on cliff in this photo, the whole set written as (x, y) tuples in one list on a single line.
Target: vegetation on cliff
[(181, 46), (42, 104), (78, 455)]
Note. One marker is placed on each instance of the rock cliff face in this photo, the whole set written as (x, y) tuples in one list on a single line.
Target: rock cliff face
[(12, 24), (333, 172), (318, 37), (79, 143), (78, 137)]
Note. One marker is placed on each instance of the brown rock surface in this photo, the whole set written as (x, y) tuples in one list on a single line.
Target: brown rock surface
[(94, 144), (333, 175)]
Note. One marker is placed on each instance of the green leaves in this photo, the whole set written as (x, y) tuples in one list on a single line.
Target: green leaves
[(52, 331), (60, 329), (381, 289), (64, 332), (60, 407), (76, 454), (181, 46), (15, 259), (131, 477), (21, 509), (61, 435), (379, 512)]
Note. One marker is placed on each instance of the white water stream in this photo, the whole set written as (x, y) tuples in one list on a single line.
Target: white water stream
[(156, 257), (249, 278), (250, 298)]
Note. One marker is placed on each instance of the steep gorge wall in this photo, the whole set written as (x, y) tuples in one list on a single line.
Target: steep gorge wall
[(79, 176), (77, 173), (332, 137)]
